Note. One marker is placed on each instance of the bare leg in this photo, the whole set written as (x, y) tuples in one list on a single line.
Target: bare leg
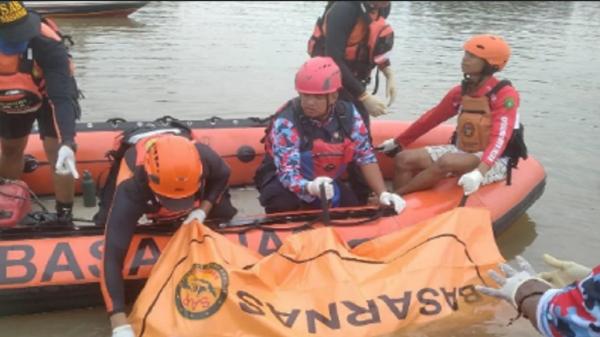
[(456, 163), (11, 157), (408, 163), (64, 185)]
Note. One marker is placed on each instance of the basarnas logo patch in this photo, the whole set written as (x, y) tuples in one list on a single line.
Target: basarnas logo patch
[(202, 291), (468, 129)]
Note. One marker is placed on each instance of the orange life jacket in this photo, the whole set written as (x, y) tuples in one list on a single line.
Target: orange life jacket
[(22, 86), (369, 43), (475, 121)]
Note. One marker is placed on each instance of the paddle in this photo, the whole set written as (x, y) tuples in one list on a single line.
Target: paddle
[(282, 222), (463, 200), (324, 205)]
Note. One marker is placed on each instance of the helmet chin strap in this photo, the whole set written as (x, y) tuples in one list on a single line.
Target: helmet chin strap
[(469, 83), (328, 107)]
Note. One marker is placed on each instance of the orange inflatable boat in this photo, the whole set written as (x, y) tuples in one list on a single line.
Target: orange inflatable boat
[(48, 267)]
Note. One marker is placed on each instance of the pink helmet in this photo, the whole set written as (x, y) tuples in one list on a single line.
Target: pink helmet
[(319, 75)]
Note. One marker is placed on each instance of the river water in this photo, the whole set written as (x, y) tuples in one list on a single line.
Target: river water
[(230, 59)]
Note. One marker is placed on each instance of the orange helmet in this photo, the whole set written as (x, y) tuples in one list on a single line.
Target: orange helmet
[(174, 170), (491, 48)]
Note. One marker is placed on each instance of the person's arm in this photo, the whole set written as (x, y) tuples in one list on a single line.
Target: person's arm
[(446, 109), (571, 311), (61, 87), (374, 178), (216, 177), (126, 209), (286, 156), (363, 149), (528, 296), (504, 116), (364, 156), (339, 21)]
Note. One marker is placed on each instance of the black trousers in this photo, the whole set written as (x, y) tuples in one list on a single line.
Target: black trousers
[(222, 210), (274, 197)]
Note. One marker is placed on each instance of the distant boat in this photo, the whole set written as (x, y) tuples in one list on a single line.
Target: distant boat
[(85, 8)]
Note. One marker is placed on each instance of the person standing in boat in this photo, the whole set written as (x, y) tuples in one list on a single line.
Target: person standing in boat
[(564, 302), (37, 83), (488, 140), (310, 142), (169, 178), (357, 37)]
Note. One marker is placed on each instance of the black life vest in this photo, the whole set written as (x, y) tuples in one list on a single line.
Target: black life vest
[(324, 151), (123, 142)]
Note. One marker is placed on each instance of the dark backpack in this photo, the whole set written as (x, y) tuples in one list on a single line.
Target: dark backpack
[(129, 138)]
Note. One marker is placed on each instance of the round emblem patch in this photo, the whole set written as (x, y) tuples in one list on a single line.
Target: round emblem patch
[(201, 291), (468, 129), (330, 167)]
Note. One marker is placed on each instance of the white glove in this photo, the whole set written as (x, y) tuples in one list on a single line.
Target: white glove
[(375, 107), (392, 199), (564, 273), (313, 187), (471, 181), (197, 214), (123, 331), (509, 285), (390, 85), (65, 164), (388, 145)]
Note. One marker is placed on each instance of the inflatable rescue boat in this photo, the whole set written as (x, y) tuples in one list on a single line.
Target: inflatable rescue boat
[(48, 266)]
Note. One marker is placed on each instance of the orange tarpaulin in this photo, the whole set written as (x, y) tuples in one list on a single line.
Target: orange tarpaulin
[(206, 285)]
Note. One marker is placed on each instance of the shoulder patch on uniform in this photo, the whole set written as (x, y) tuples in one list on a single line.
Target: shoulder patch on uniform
[(509, 102)]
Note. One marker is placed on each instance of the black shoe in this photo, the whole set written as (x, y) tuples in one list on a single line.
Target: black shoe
[(65, 219), (64, 214), (46, 219)]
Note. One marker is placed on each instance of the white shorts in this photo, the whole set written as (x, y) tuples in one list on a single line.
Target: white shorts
[(496, 173)]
